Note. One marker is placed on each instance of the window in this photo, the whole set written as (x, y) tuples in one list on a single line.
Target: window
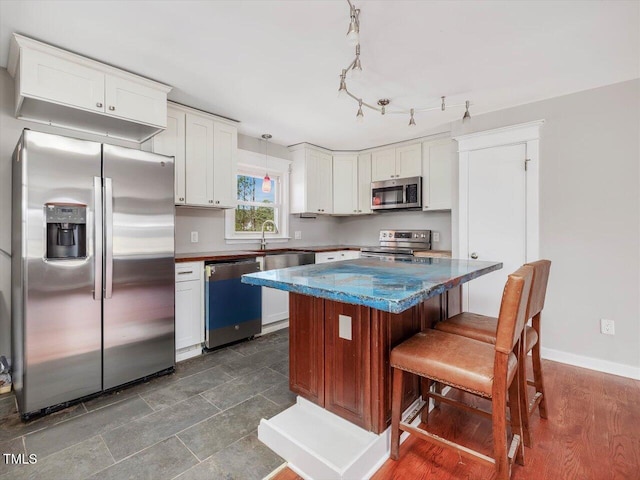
[(244, 223), (254, 206)]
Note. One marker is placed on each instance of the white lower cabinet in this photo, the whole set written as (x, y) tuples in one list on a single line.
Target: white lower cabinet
[(327, 257), (275, 305), (189, 304)]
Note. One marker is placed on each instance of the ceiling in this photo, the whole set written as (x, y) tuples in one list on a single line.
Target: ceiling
[(274, 65)]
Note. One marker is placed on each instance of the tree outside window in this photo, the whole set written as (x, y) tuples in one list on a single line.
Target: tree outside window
[(254, 206)]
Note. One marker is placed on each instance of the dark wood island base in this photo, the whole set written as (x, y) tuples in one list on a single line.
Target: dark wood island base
[(351, 377)]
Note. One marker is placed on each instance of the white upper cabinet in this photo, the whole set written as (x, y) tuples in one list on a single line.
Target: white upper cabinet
[(364, 183), (401, 162), (437, 182), (199, 163), (171, 142), (345, 184), (383, 165), (311, 181), (206, 157), (60, 88), (134, 101), (409, 161), (225, 165)]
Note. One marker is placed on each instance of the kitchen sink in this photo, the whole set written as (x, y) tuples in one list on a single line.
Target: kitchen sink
[(286, 258)]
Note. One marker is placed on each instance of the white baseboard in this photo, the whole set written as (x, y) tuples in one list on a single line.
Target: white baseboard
[(591, 363), (188, 352), (275, 326)]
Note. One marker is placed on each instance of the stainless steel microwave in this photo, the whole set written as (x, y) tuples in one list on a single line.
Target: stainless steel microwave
[(399, 193)]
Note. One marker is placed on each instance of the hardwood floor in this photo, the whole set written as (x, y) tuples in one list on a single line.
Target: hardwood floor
[(593, 432)]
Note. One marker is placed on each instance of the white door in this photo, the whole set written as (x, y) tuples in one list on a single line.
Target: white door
[(496, 220), (345, 184)]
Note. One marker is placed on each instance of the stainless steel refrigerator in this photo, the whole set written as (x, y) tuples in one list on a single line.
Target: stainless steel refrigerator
[(92, 268)]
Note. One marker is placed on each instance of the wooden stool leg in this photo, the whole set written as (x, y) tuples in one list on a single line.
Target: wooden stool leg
[(537, 369), (438, 390), (499, 421), (425, 387), (396, 411), (517, 414), (523, 399)]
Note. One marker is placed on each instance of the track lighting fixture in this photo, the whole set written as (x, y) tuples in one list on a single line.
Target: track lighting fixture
[(355, 67)]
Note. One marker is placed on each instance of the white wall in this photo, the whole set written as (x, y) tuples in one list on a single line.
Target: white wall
[(589, 221), (364, 230)]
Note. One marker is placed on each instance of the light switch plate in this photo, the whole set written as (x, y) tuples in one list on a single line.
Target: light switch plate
[(435, 236), (194, 237), (298, 235), (344, 327)]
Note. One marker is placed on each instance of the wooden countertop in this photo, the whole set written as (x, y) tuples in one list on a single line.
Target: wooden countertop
[(222, 255)]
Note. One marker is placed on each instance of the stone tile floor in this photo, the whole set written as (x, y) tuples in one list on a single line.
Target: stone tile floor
[(198, 423)]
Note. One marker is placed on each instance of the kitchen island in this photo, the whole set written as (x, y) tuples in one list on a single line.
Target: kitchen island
[(344, 319)]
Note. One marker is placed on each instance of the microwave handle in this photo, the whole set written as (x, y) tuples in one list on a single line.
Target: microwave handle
[(404, 194)]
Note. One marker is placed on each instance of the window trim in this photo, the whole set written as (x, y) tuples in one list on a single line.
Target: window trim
[(253, 163)]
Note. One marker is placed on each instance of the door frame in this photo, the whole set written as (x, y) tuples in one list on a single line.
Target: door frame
[(523, 133)]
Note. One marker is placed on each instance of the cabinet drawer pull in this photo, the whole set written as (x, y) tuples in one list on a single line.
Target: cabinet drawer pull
[(181, 199), (185, 273), (112, 108), (99, 105)]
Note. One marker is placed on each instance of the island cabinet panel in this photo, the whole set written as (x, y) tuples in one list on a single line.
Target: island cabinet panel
[(387, 331), (306, 347), (347, 378)]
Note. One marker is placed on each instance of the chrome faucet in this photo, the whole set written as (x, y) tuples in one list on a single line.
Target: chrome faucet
[(263, 243)]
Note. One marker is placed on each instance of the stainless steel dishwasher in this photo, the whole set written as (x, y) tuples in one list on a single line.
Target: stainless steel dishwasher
[(233, 310)]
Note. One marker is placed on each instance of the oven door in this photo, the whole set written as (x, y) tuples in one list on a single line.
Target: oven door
[(397, 193)]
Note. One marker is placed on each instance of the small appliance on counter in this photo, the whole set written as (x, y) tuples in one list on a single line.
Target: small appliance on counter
[(399, 244), (397, 194), (92, 270), (233, 310)]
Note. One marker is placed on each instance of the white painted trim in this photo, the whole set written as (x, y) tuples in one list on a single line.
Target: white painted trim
[(195, 111), (524, 133), (275, 326), (188, 352), (519, 133), (591, 363)]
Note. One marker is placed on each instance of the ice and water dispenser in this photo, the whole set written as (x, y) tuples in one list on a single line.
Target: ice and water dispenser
[(66, 230)]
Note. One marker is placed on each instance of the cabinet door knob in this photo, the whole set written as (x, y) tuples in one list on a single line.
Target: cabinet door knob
[(99, 105), (181, 199), (112, 108), (217, 202), (210, 201), (474, 255)]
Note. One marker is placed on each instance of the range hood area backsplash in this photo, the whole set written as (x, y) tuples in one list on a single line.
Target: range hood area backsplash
[(323, 230)]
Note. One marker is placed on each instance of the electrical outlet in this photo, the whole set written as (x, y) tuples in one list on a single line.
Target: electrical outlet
[(194, 237), (607, 327), (298, 235), (435, 236)]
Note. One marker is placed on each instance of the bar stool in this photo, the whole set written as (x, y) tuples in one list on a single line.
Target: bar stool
[(483, 328), (476, 367)]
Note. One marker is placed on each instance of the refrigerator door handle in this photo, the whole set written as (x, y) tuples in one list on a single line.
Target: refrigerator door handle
[(108, 237), (97, 240)]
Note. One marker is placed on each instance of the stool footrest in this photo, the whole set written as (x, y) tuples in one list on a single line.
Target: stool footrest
[(535, 401), (443, 442), (458, 404)]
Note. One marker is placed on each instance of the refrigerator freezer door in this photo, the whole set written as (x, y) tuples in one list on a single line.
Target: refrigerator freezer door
[(139, 270), (56, 319)]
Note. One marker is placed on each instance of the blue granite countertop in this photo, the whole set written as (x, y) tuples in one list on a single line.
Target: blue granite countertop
[(388, 285)]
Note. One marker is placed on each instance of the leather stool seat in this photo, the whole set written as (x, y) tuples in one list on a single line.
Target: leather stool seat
[(461, 362), (481, 328)]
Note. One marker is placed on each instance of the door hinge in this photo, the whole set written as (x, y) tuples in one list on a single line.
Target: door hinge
[(526, 163)]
